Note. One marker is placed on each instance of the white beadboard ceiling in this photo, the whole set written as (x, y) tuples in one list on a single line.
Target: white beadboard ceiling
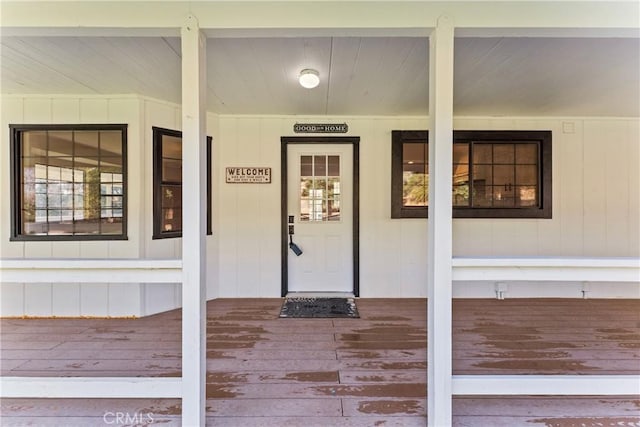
[(504, 76)]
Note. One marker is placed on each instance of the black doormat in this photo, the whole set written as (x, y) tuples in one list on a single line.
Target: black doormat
[(301, 307)]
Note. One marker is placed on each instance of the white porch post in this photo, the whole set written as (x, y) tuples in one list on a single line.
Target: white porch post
[(193, 224), (439, 223)]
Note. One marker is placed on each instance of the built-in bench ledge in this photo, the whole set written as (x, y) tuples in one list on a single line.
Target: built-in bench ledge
[(586, 270), (90, 270)]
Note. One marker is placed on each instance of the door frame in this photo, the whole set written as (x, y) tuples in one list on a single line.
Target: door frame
[(311, 140)]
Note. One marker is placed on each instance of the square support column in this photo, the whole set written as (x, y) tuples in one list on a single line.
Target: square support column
[(194, 226), (440, 225)]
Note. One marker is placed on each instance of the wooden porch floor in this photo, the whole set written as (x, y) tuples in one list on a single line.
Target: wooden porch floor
[(266, 371)]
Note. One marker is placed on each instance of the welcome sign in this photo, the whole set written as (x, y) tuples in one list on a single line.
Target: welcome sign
[(248, 175)]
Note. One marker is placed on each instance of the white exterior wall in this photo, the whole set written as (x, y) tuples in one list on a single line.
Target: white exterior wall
[(117, 299), (596, 207), (596, 210), (595, 194), (44, 299), (157, 298)]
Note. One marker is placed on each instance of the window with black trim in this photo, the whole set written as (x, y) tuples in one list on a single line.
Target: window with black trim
[(69, 182), (496, 174), (167, 183)]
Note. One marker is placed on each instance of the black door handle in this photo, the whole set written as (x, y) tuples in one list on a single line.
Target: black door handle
[(295, 248)]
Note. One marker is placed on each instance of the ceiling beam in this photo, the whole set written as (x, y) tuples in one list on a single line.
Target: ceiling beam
[(164, 18)]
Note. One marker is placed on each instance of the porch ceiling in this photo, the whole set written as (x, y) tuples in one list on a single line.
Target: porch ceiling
[(374, 75)]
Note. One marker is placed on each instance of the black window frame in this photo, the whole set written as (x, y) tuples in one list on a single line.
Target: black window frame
[(158, 233), (542, 138), (16, 167)]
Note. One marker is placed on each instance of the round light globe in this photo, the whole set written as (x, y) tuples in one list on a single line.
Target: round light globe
[(309, 78)]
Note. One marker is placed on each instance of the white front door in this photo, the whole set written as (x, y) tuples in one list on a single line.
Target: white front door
[(320, 205)]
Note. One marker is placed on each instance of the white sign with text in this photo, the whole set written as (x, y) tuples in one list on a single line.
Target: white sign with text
[(248, 175)]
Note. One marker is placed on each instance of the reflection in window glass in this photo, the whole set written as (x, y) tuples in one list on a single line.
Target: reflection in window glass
[(167, 184), (319, 188), (460, 192), (70, 184), (505, 175), (495, 174), (415, 174), (168, 199)]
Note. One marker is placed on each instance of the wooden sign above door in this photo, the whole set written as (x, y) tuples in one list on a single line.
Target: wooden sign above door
[(320, 128)]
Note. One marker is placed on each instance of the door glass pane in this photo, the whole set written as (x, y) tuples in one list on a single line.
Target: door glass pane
[(334, 166), (319, 165), (334, 210), (319, 188), (306, 166)]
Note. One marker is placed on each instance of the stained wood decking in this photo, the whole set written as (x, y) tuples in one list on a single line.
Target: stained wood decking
[(266, 371)]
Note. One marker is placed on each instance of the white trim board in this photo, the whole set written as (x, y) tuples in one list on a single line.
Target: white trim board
[(90, 387), (546, 289), (565, 385), (90, 271), (547, 269)]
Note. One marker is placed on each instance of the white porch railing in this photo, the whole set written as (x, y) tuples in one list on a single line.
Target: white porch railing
[(585, 270), (547, 269), (531, 385), (170, 271), (90, 271), (90, 387)]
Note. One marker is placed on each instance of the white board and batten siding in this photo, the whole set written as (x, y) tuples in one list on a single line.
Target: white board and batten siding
[(596, 207), (71, 299), (592, 215), (95, 299)]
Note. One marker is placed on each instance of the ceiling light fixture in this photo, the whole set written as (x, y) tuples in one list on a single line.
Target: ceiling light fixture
[(309, 78)]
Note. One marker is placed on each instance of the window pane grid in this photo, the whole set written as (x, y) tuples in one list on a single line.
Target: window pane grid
[(319, 188), (167, 183), (505, 175), (170, 184), (460, 192), (59, 195), (495, 174), (415, 174)]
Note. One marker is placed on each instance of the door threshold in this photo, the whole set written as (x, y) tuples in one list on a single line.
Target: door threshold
[(320, 295)]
